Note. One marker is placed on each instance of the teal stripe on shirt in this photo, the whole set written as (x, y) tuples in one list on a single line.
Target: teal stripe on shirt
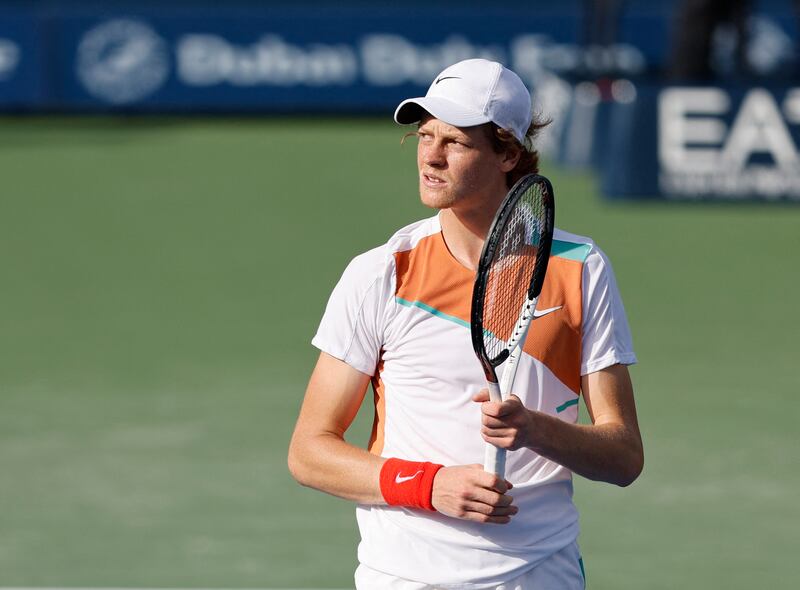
[(570, 250), (432, 310), (440, 314), (565, 405)]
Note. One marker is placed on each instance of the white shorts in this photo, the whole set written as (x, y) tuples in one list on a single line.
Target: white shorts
[(561, 571)]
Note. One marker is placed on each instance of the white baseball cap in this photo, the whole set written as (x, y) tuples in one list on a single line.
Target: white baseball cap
[(473, 92)]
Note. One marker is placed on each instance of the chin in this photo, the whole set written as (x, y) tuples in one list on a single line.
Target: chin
[(434, 199)]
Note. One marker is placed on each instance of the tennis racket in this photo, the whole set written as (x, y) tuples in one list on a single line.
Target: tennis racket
[(510, 276)]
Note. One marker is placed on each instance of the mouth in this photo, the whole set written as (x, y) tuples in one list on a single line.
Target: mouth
[(432, 181)]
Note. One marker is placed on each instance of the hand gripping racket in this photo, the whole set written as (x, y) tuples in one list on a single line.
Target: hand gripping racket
[(510, 276)]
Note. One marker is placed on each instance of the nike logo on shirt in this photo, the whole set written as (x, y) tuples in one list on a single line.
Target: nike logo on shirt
[(537, 313), (404, 478)]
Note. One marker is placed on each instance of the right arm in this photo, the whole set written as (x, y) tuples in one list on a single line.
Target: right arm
[(320, 458)]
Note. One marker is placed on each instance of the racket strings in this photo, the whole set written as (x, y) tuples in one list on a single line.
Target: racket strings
[(511, 271)]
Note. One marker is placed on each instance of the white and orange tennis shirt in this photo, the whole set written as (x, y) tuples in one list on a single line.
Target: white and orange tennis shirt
[(400, 313)]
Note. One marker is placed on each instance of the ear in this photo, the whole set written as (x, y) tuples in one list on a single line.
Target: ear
[(509, 159)]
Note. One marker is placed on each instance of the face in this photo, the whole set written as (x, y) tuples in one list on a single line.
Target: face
[(458, 169)]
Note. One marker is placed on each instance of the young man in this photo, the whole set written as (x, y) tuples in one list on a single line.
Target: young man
[(428, 514)]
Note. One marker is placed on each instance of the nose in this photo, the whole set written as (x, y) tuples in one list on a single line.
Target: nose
[(432, 153)]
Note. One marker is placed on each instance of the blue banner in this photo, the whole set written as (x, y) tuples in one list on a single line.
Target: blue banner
[(313, 57), (343, 59), (726, 143), (22, 69), (647, 140)]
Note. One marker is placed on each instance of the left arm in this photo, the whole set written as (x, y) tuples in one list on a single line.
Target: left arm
[(610, 449)]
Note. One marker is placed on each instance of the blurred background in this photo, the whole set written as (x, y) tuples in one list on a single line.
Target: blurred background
[(184, 181)]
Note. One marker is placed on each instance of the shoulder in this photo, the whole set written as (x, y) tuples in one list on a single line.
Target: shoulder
[(409, 236), (575, 252), (580, 249), (572, 246), (378, 264)]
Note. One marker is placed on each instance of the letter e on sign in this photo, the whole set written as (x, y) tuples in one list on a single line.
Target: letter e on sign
[(687, 140)]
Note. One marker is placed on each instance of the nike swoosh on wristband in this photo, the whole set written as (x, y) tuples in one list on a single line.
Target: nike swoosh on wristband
[(537, 313), (404, 478)]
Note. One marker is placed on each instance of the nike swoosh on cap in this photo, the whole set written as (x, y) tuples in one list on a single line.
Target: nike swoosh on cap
[(448, 78), (537, 313), (404, 478)]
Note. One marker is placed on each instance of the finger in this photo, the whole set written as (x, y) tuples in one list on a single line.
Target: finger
[(493, 409), (509, 406), (492, 422), (493, 498), (488, 481), (492, 482), (488, 510), (500, 433), (481, 396), (480, 516), (507, 441)]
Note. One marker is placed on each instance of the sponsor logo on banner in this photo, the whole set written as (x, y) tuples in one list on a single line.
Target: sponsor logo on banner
[(122, 61), (384, 59), (9, 58), (380, 60), (702, 155), (208, 60), (390, 59)]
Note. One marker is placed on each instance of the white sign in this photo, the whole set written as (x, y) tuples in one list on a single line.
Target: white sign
[(701, 155)]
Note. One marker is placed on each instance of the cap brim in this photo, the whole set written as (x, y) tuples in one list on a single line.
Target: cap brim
[(413, 110)]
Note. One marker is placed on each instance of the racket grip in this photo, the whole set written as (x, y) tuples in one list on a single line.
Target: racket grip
[(494, 459), (494, 392)]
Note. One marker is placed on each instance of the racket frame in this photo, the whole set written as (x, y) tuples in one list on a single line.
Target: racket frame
[(494, 457)]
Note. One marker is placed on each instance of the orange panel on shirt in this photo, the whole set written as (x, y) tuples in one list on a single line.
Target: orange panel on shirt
[(555, 339), (429, 274), (375, 445)]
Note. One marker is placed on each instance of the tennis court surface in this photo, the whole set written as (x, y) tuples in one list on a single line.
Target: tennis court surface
[(162, 279)]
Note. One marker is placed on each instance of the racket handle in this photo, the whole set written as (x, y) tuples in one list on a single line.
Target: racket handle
[(494, 459)]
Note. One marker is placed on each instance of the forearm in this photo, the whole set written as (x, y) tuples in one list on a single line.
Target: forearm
[(328, 463), (331, 465), (602, 452), (320, 458)]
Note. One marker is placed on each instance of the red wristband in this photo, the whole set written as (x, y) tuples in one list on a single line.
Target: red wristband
[(408, 483)]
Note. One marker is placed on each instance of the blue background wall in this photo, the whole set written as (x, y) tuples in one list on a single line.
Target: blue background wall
[(363, 57)]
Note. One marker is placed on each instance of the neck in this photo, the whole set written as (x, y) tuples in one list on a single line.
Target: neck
[(465, 231)]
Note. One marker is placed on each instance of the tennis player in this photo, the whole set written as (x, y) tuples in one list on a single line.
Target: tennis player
[(428, 514)]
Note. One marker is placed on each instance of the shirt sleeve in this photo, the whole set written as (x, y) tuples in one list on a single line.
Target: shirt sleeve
[(351, 329), (606, 336)]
